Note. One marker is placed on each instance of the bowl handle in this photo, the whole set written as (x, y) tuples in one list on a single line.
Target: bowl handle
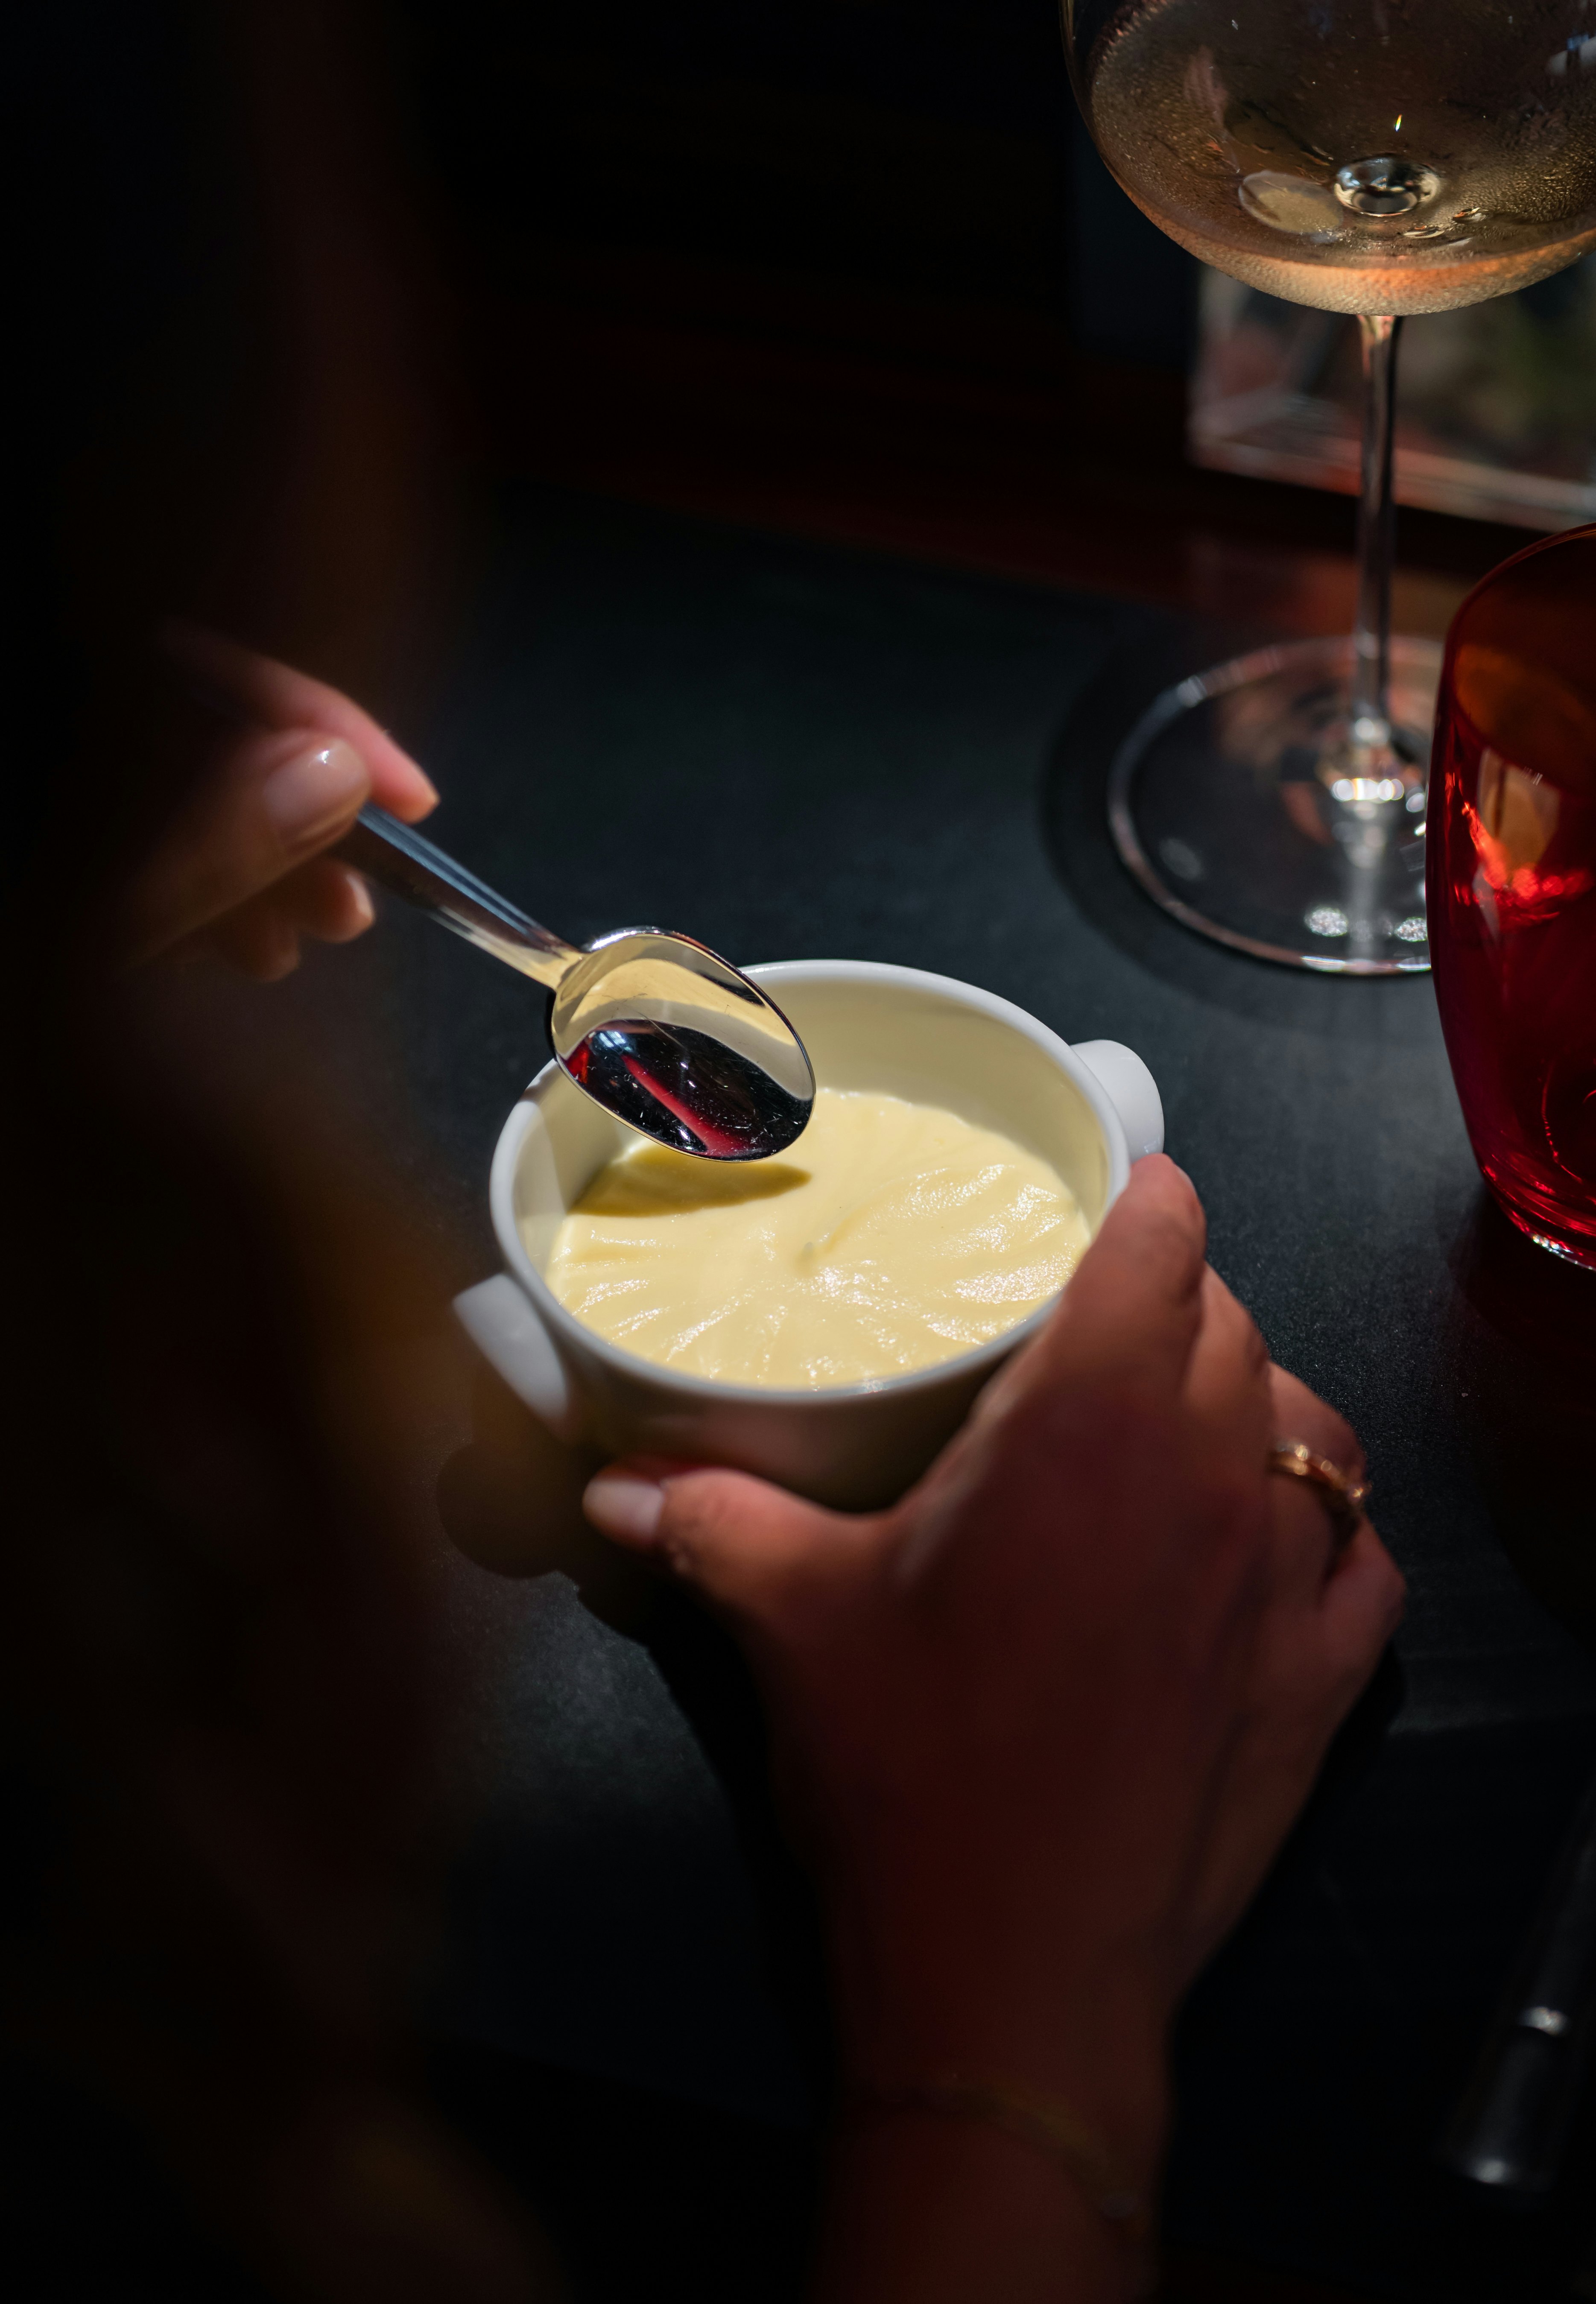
[(1132, 1091), (500, 1321)]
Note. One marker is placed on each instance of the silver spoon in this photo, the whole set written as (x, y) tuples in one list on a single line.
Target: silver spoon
[(655, 1027)]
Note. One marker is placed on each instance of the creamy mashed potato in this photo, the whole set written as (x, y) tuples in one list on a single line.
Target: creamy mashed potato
[(892, 1235)]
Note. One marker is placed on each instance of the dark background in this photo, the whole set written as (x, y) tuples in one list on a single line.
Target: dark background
[(825, 403), (853, 267), (904, 151), (853, 274)]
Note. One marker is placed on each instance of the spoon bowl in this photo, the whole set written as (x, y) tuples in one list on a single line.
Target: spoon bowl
[(657, 1029), (661, 1029)]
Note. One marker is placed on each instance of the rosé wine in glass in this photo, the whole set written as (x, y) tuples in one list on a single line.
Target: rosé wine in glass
[(1512, 884)]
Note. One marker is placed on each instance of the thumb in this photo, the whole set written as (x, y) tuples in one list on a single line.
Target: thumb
[(277, 799), (744, 1544)]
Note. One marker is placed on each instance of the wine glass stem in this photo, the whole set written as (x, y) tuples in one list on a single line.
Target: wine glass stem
[(1377, 536)]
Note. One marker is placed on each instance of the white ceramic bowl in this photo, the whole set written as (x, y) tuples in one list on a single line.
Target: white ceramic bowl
[(1090, 1110)]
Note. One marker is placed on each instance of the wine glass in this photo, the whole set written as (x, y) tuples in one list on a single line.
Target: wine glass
[(1513, 884), (1373, 156)]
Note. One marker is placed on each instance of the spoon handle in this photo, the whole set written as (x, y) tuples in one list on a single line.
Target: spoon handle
[(391, 853)]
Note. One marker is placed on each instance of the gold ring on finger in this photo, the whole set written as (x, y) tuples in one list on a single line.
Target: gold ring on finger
[(1342, 1497)]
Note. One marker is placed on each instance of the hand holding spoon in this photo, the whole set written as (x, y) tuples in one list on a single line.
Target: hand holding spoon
[(655, 1027)]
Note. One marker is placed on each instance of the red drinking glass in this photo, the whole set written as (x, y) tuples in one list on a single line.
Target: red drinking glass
[(1512, 881)]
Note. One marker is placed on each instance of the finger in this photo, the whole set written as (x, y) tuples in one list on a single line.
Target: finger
[(1228, 1379), (1306, 1539), (626, 1501), (1300, 1414), (256, 688), (740, 1541), (1133, 1310), (324, 899), (328, 901), (1362, 1605), (273, 802), (260, 939)]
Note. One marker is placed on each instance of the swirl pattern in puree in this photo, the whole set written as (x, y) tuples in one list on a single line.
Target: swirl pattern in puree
[(891, 1236)]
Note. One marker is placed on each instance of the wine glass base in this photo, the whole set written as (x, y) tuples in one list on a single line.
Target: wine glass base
[(1571, 1247), (1254, 810)]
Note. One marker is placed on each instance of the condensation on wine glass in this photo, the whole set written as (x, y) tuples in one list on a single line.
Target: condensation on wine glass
[(1412, 160)]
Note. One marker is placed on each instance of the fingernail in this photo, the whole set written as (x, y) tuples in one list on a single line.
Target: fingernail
[(618, 1504), (313, 792)]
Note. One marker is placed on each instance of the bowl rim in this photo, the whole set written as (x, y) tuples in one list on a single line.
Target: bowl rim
[(565, 1328)]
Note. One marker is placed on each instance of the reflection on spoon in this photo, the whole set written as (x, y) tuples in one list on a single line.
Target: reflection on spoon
[(657, 1029), (724, 1105)]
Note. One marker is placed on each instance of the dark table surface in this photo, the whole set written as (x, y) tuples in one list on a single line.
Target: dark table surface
[(795, 752)]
